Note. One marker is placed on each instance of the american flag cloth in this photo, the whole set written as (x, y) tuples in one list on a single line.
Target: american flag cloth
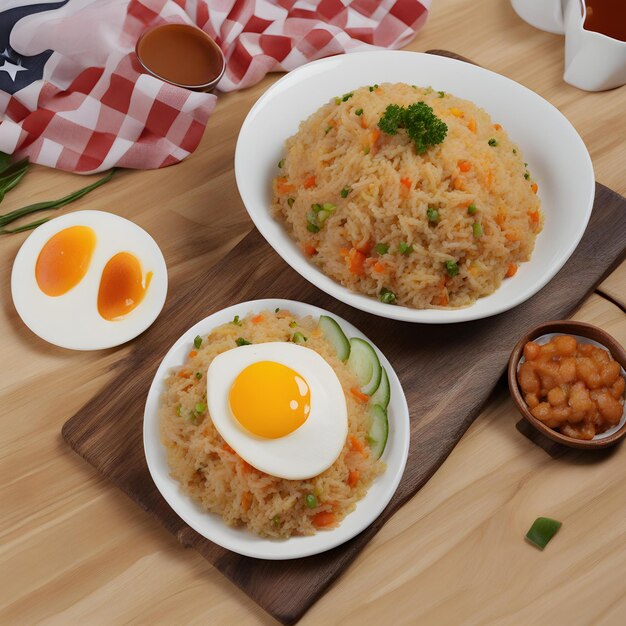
[(72, 95)]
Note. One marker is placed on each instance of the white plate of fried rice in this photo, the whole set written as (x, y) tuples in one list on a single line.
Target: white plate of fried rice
[(239, 538), (473, 227)]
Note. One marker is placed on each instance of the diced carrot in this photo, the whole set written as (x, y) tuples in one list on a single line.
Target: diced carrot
[(457, 183), (258, 318), (512, 236), (374, 136), (442, 300), (379, 267), (192, 354), (344, 251), (406, 182), (500, 218), (309, 250), (363, 122), (184, 374), (473, 269), (356, 262), (365, 248), (353, 478), (511, 270), (246, 500), (356, 444), (534, 187), (534, 217), (309, 181), (359, 395), (497, 126), (465, 166), (472, 125), (323, 519), (282, 186)]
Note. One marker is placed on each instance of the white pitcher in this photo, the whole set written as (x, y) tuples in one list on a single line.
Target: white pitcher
[(593, 61)]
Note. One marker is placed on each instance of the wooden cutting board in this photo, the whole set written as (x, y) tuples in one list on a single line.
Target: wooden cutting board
[(447, 373)]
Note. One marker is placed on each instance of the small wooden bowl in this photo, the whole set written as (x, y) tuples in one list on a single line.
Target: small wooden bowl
[(579, 329)]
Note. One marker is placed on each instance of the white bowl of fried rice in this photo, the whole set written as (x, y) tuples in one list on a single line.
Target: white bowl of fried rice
[(162, 436), (459, 229)]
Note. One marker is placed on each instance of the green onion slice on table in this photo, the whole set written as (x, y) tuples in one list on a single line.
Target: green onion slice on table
[(542, 530)]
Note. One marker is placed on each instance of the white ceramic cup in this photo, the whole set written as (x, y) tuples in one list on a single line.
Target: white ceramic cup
[(593, 62)]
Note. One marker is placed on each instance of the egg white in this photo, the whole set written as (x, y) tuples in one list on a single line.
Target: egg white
[(308, 450), (72, 320)]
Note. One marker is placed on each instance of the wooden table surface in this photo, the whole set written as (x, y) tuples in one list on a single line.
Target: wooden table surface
[(75, 550)]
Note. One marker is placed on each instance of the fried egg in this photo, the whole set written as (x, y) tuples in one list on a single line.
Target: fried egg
[(280, 407), (89, 280)]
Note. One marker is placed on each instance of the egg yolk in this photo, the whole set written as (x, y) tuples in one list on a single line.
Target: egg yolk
[(270, 399), (64, 260), (121, 286)]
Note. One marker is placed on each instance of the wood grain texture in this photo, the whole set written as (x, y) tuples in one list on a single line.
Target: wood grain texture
[(75, 550), (447, 374)]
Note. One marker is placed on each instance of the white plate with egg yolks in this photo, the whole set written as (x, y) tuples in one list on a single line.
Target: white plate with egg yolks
[(241, 540)]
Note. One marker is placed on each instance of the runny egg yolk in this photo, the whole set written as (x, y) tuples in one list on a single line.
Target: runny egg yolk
[(121, 286), (270, 399), (64, 260)]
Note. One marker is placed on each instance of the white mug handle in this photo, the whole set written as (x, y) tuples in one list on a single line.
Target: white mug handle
[(542, 14)]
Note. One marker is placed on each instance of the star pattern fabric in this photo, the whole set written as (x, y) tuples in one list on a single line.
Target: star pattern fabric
[(72, 95)]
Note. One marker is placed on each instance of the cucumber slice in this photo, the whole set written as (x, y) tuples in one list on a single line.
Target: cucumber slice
[(363, 361), (382, 395), (335, 336), (379, 430)]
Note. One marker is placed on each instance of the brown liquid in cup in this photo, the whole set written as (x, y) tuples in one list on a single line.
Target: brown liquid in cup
[(607, 17), (180, 54)]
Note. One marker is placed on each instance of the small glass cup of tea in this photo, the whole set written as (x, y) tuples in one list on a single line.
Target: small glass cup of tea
[(182, 55)]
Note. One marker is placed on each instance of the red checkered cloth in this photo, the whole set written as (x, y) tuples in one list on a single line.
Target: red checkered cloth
[(73, 97)]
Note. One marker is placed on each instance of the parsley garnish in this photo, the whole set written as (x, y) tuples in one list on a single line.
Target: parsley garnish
[(421, 124)]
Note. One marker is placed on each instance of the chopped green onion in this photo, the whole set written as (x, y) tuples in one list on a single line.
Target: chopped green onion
[(327, 206), (293, 324), (243, 342), (316, 207), (514, 151), (477, 229), (179, 411), (328, 130), (347, 96), (197, 342), (312, 228), (276, 520), (442, 94), (322, 216), (387, 296), (345, 191), (366, 150), (527, 175), (337, 100), (200, 407), (432, 214), (542, 530), (290, 201), (525, 164), (198, 375), (471, 209), (236, 321), (492, 142), (298, 338), (452, 268), (374, 87), (381, 248), (281, 163), (310, 500), (359, 112), (404, 248), (277, 309)]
